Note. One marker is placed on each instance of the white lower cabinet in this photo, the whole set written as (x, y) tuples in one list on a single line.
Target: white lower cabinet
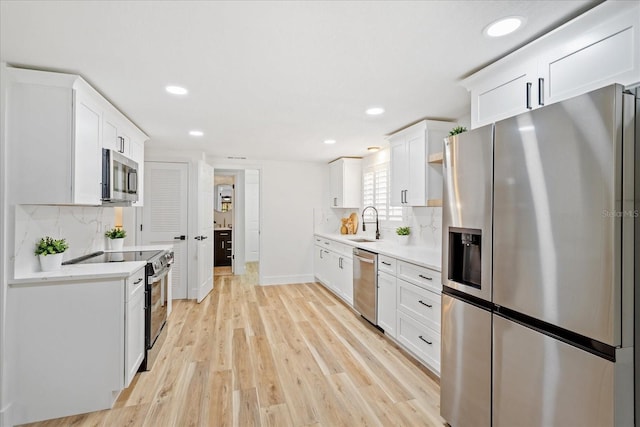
[(333, 267), (422, 341), (387, 303), (134, 325), (409, 308)]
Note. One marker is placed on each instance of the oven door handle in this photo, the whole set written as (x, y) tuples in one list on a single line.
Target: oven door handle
[(151, 280)]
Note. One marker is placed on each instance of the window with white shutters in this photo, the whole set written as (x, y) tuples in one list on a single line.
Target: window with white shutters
[(375, 192)]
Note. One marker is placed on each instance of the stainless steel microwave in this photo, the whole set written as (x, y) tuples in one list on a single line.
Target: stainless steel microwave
[(119, 178)]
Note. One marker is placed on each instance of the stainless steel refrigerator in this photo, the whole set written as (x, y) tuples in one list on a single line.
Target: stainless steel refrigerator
[(543, 274)]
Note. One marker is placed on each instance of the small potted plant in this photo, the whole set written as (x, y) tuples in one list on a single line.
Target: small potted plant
[(456, 130), (403, 235), (50, 252), (116, 238)]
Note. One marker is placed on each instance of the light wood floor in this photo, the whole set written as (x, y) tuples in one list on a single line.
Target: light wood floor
[(289, 355)]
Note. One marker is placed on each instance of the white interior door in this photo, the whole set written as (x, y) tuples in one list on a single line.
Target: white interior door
[(165, 215), (204, 251), (252, 215)]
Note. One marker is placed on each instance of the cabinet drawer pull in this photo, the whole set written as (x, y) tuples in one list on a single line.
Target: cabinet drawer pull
[(138, 281), (425, 304), (425, 277), (386, 263), (422, 338), (327, 243), (529, 84)]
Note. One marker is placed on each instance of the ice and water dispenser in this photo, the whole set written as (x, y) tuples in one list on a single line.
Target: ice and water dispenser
[(465, 247)]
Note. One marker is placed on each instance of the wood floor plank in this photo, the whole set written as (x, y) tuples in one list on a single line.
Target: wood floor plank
[(269, 389), (286, 355)]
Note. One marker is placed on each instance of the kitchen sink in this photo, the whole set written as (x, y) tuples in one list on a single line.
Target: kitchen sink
[(361, 240)]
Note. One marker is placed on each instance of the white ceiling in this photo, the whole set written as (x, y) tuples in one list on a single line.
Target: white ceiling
[(272, 80)]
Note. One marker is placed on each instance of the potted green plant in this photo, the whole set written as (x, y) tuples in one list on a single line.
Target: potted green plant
[(116, 238), (456, 130), (403, 235), (50, 252)]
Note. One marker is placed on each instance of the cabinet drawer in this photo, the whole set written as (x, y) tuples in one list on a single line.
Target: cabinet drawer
[(420, 340), (387, 264), (423, 277), (420, 303), (134, 283)]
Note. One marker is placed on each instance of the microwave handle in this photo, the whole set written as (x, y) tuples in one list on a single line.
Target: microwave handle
[(133, 182)]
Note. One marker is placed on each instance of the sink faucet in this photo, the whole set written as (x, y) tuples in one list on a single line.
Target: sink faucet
[(364, 227)]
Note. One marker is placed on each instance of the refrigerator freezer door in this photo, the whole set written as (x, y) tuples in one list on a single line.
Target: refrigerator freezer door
[(465, 365), (467, 193), (556, 226), (540, 381)]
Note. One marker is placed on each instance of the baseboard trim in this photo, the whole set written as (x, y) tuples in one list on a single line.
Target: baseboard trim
[(287, 280)]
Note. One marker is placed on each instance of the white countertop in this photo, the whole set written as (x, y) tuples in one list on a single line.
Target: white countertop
[(222, 229), (418, 255), (77, 272)]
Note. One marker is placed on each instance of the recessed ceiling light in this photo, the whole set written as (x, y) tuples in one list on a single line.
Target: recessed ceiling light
[(375, 111), (329, 141), (196, 133), (176, 90), (503, 26), (373, 149)]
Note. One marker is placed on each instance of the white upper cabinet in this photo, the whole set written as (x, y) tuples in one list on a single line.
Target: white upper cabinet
[(56, 131), (345, 183), (115, 136), (414, 180), (598, 48)]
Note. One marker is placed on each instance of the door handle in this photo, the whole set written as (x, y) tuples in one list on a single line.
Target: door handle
[(540, 91), (425, 304), (201, 237), (528, 105), (183, 237)]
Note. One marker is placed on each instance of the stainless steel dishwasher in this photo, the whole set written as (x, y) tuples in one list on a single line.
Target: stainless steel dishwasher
[(365, 284)]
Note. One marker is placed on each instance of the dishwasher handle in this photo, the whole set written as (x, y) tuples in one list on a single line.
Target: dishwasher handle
[(368, 261)]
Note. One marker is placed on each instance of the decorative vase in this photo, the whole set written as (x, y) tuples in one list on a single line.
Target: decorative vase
[(116, 244), (403, 240), (51, 262)]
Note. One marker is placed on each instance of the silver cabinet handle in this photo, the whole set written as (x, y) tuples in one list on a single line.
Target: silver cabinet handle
[(320, 253), (425, 304), (183, 237), (425, 277), (327, 243), (422, 338), (528, 105)]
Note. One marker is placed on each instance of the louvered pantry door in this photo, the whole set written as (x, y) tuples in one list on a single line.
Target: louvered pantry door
[(165, 214)]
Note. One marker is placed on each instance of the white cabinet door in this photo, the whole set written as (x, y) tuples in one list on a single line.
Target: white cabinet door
[(505, 94), (87, 164), (345, 183), (609, 53), (345, 267), (335, 184), (110, 134), (387, 303), (115, 134), (399, 173), (134, 326), (416, 192)]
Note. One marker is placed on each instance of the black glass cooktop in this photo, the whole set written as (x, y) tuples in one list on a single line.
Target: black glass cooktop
[(102, 257)]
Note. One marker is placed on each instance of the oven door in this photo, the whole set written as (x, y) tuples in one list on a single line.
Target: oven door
[(156, 305)]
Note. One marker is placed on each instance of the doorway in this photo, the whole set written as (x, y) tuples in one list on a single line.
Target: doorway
[(236, 221)]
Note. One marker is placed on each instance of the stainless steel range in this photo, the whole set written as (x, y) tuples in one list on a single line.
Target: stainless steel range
[(157, 271)]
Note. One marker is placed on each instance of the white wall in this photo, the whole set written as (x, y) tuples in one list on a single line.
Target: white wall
[(289, 192)]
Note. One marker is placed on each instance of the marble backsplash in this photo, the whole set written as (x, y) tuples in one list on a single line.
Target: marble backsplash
[(82, 227), (425, 224)]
